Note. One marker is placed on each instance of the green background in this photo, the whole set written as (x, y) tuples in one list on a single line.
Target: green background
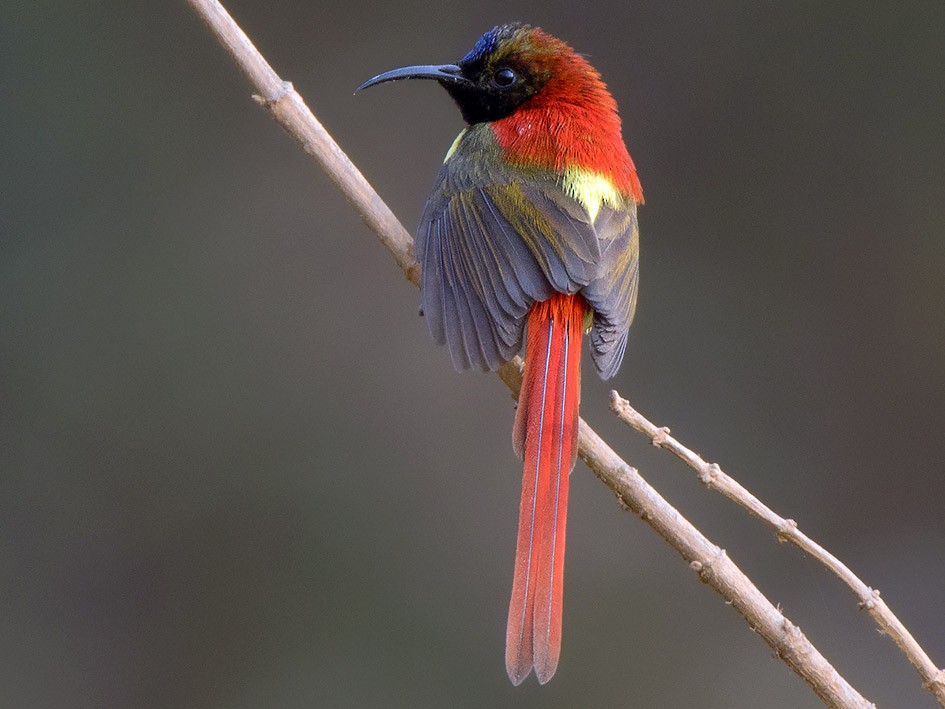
[(235, 471)]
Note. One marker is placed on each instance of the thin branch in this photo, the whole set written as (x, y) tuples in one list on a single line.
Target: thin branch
[(709, 561), (710, 474), (716, 569), (290, 112)]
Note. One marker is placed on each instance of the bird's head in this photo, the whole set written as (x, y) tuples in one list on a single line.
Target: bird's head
[(507, 67)]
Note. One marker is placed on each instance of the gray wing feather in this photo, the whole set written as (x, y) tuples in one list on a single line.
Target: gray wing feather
[(480, 277), (613, 293), (486, 259)]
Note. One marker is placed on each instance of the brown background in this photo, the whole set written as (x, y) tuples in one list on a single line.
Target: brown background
[(235, 471)]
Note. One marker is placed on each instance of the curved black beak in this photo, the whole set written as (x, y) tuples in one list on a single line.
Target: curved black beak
[(445, 73)]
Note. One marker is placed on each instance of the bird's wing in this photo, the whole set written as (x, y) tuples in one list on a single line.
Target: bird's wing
[(613, 291), (488, 250), (494, 239)]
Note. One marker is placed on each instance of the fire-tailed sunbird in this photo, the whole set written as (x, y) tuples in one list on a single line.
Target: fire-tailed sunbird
[(530, 237)]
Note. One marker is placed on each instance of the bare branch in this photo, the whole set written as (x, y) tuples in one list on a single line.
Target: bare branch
[(787, 530), (709, 561), (290, 112), (716, 569)]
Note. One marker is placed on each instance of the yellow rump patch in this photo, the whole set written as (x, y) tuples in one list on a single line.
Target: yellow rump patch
[(449, 153), (591, 189)]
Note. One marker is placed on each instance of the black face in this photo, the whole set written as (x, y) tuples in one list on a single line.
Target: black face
[(492, 93), (500, 73), (497, 79)]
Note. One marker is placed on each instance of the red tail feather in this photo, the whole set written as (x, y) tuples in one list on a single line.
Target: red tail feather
[(545, 435)]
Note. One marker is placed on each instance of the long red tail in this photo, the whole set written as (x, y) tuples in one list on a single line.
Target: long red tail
[(545, 435)]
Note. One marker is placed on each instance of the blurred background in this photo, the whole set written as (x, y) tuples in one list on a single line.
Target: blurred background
[(236, 472)]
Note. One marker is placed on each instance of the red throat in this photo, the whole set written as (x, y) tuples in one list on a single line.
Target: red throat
[(571, 122)]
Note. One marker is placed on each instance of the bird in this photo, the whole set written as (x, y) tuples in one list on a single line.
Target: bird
[(530, 239)]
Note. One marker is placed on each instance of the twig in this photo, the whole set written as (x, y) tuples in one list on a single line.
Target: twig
[(290, 112), (869, 599), (634, 493)]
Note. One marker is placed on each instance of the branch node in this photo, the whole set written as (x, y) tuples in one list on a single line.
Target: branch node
[(615, 400), (792, 639), (786, 530), (789, 629), (704, 567), (285, 88), (708, 475), (869, 602), (659, 438), (938, 679)]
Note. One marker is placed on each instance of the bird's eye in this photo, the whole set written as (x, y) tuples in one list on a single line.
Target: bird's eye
[(504, 77)]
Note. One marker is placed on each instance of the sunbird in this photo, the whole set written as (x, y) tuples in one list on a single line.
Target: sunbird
[(530, 238)]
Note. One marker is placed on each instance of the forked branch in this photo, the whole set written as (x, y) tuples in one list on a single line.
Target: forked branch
[(712, 476), (709, 561)]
